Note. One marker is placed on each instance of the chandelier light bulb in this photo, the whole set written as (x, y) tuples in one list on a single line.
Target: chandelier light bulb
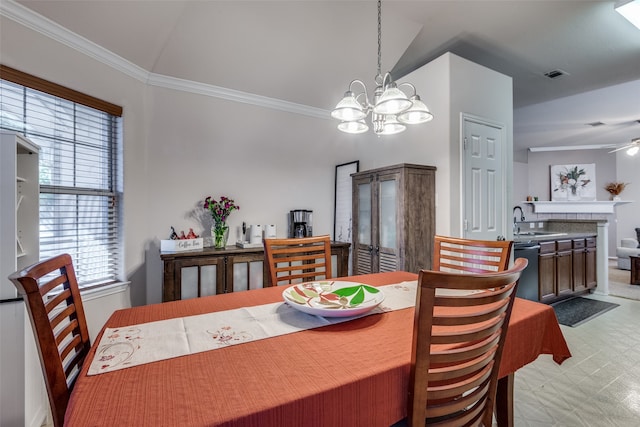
[(392, 126), (632, 151), (356, 126), (392, 101), (418, 113), (348, 109)]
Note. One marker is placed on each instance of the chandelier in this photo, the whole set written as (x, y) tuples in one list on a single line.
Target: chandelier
[(391, 109)]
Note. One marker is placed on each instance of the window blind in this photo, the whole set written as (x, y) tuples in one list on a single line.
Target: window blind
[(79, 177)]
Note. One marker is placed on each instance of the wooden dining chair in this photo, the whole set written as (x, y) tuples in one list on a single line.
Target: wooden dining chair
[(298, 259), (460, 325), (52, 297), (454, 254)]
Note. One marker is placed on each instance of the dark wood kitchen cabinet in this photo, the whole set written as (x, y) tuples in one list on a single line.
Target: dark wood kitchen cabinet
[(566, 268), (547, 271), (214, 271), (584, 264), (590, 277), (579, 265), (555, 270), (393, 218)]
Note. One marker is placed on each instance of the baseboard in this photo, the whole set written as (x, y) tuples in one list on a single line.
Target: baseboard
[(40, 418)]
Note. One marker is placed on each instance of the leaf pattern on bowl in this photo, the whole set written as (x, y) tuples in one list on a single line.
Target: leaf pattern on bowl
[(342, 298)]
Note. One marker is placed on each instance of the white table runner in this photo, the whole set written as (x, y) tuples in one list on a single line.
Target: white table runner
[(150, 342)]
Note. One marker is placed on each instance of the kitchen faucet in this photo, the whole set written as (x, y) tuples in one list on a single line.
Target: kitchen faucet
[(516, 229)]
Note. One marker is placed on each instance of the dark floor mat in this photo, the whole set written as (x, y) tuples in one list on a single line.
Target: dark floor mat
[(576, 311)]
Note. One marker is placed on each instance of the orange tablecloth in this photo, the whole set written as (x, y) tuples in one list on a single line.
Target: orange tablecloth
[(350, 374)]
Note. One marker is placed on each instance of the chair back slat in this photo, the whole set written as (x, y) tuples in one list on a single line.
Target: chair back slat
[(298, 259), (54, 302), (65, 333), (55, 309), (461, 321), (461, 354), (455, 254), (52, 282)]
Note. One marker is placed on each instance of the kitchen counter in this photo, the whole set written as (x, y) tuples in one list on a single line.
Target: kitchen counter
[(527, 237)]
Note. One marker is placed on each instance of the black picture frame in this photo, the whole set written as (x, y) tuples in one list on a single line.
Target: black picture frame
[(343, 206)]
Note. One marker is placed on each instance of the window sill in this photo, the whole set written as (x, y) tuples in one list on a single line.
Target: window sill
[(103, 291)]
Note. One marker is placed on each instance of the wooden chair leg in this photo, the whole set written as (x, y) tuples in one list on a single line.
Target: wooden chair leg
[(504, 401)]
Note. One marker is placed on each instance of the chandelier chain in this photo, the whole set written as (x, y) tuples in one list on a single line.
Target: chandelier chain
[(379, 38)]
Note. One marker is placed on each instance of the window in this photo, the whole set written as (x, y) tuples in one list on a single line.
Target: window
[(80, 172)]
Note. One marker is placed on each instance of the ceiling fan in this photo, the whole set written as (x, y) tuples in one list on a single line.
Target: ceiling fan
[(632, 148)]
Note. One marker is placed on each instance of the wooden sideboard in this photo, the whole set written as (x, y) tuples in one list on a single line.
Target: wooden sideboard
[(214, 271)]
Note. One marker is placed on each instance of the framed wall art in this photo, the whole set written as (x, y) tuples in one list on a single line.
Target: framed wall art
[(573, 182)]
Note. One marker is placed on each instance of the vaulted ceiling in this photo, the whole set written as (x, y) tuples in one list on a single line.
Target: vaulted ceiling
[(307, 51)]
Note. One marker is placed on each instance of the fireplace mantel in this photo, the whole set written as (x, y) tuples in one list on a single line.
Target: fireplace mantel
[(581, 206)]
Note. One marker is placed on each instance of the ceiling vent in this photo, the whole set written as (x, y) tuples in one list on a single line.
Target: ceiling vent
[(595, 124), (554, 74)]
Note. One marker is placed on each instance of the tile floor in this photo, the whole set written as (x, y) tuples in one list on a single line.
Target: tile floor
[(598, 386)]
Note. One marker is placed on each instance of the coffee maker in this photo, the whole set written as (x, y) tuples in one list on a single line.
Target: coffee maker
[(300, 223)]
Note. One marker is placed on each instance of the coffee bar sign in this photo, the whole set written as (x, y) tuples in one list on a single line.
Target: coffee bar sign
[(181, 245)]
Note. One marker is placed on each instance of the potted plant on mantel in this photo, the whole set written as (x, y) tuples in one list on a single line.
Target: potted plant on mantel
[(615, 188)]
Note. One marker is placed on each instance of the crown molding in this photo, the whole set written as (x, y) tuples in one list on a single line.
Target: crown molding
[(572, 147), (235, 95), (24, 16)]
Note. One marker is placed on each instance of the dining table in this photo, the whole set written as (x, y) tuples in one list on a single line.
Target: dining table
[(352, 373)]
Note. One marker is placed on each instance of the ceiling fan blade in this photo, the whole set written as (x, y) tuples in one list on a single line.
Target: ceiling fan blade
[(634, 142), (622, 148)]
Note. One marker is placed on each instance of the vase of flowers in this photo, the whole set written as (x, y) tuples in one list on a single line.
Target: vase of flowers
[(220, 211), (615, 188)]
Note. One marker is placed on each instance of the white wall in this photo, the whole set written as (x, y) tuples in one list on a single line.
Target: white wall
[(268, 161), (451, 85), (487, 94)]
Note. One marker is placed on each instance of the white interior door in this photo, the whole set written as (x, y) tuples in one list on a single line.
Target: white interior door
[(484, 187)]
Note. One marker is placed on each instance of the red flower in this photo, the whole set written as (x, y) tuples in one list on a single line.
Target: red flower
[(220, 210)]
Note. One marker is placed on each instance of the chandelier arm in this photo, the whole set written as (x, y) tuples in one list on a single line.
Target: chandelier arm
[(384, 79), (366, 105), (364, 91), (410, 85)]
